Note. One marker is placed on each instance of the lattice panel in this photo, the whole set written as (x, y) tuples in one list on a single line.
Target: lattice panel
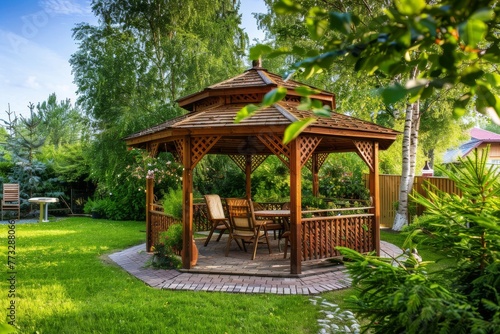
[(245, 98), (307, 147), (200, 146), (275, 144), (321, 160), (153, 150), (295, 99), (365, 151), (179, 149), (208, 103), (240, 161), (257, 160)]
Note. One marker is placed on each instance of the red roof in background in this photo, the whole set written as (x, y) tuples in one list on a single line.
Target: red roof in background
[(484, 135)]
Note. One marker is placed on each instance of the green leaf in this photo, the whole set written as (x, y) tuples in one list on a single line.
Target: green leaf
[(316, 24), (245, 112), (487, 102), (393, 93), (324, 111), (410, 7), (483, 14), (470, 75), (473, 32), (273, 96), (294, 129), (286, 7), (316, 104), (306, 91), (493, 79), (7, 329), (341, 22), (259, 50), (430, 24)]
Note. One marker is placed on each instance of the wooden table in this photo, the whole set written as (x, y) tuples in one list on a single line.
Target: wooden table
[(44, 206), (272, 213), (277, 214)]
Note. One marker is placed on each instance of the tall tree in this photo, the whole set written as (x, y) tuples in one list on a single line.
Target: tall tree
[(24, 142), (60, 121), (142, 57), (423, 48)]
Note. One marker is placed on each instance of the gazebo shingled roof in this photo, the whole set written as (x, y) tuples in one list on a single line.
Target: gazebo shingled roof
[(209, 128), (214, 109)]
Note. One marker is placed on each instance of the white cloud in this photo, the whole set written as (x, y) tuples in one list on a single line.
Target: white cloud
[(31, 82), (30, 73), (64, 7)]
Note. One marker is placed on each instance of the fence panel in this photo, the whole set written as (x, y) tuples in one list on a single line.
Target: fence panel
[(389, 194)]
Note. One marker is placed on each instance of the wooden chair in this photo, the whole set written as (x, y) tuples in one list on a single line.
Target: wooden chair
[(271, 224), (10, 200), (216, 216), (243, 225), (286, 234)]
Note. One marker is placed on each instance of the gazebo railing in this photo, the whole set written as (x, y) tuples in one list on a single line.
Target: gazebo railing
[(322, 230), (161, 221), (327, 230)]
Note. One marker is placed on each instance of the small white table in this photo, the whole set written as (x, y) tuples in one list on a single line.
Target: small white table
[(44, 206)]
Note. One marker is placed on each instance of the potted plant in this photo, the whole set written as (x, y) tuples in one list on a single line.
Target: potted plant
[(96, 208)]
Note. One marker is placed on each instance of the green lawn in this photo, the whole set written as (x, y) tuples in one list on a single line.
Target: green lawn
[(64, 285)]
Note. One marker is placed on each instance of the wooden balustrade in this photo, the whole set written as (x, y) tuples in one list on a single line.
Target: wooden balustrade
[(321, 234), (347, 227), (161, 221)]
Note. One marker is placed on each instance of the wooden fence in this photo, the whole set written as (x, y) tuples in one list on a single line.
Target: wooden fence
[(389, 194)]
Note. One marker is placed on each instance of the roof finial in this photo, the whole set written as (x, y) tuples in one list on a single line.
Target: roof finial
[(257, 63)]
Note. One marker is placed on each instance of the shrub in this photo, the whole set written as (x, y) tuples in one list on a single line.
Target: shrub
[(167, 250), (172, 203), (401, 296), (342, 177)]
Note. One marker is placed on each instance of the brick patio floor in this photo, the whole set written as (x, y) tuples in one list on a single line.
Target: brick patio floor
[(237, 273)]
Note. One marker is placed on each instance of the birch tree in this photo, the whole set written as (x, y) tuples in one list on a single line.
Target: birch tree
[(453, 43)]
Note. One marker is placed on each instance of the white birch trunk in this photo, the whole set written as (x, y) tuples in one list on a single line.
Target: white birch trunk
[(401, 220), (415, 128)]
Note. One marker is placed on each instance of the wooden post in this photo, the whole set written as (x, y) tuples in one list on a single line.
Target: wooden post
[(187, 204), (315, 177), (248, 175), (149, 201), (375, 193), (295, 209)]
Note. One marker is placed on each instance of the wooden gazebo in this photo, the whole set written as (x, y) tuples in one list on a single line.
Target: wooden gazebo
[(209, 128)]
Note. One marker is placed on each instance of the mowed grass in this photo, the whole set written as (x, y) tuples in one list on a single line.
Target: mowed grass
[(64, 284)]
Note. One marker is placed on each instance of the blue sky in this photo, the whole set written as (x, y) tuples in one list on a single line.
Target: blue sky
[(36, 44)]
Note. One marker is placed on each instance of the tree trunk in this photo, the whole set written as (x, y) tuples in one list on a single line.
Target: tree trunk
[(410, 145), (401, 218)]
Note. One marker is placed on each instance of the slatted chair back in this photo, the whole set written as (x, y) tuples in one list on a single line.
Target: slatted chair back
[(216, 216), (214, 207), (243, 225), (240, 214), (10, 199)]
